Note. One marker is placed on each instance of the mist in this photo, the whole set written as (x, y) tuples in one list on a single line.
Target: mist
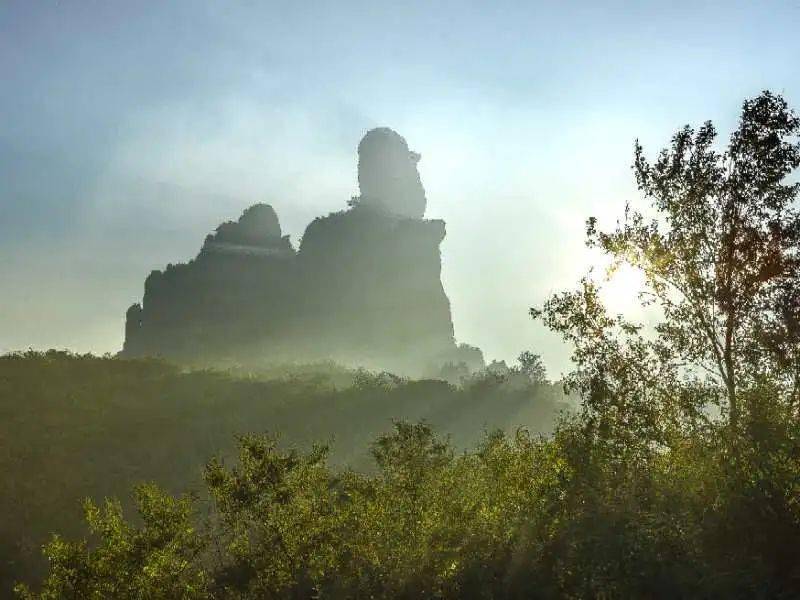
[(132, 130), (339, 299)]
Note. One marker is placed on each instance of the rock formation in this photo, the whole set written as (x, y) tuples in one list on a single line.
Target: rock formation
[(388, 176), (364, 288), (257, 231)]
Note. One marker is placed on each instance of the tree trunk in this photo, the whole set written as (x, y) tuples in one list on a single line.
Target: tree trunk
[(730, 372)]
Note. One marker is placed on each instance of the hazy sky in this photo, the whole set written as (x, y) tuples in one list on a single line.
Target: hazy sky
[(128, 130)]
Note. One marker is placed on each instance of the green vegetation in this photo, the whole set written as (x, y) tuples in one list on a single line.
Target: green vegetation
[(679, 477), (584, 514), (75, 426)]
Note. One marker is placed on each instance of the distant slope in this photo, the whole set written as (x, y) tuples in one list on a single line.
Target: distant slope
[(77, 426)]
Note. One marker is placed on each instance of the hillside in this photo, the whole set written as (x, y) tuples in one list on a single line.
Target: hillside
[(86, 426)]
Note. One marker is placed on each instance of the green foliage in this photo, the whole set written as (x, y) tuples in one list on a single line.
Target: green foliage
[(158, 559), (79, 425), (575, 515), (676, 498), (721, 254), (531, 365)]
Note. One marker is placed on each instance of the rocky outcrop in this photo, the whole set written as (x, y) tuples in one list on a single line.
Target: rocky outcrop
[(257, 231), (364, 288), (388, 176)]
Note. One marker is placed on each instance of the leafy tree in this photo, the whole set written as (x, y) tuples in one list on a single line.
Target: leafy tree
[(721, 255), (157, 560), (576, 515), (85, 406), (720, 259), (273, 514), (531, 365)]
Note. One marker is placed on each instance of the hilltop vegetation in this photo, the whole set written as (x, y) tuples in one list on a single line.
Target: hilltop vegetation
[(591, 512), (84, 426)]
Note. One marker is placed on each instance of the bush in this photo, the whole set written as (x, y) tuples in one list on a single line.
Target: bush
[(575, 515)]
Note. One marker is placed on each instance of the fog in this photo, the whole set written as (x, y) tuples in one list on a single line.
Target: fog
[(131, 130)]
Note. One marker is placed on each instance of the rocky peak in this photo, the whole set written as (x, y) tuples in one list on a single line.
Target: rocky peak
[(257, 230), (388, 176)]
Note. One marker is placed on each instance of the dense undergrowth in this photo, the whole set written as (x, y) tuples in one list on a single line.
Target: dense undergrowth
[(583, 514), (77, 426)]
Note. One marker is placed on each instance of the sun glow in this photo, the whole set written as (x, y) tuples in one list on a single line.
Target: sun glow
[(620, 290)]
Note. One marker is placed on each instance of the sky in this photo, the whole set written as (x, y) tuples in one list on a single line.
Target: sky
[(129, 130)]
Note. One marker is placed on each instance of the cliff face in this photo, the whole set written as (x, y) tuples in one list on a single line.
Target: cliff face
[(232, 295), (363, 289)]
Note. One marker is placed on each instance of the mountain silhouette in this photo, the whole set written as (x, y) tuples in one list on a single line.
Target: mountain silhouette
[(364, 287)]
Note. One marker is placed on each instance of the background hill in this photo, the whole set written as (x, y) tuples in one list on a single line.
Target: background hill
[(85, 426)]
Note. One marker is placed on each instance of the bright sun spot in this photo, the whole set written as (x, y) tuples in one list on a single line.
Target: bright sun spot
[(620, 291)]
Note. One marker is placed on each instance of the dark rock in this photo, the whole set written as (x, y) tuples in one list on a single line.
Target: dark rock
[(364, 287), (257, 231), (388, 176)]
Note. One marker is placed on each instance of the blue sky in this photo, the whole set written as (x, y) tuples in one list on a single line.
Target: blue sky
[(130, 129)]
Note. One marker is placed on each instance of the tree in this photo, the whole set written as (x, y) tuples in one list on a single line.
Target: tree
[(531, 365), (721, 256), (158, 559)]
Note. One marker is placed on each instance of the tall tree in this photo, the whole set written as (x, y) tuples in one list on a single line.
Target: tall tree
[(721, 252)]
